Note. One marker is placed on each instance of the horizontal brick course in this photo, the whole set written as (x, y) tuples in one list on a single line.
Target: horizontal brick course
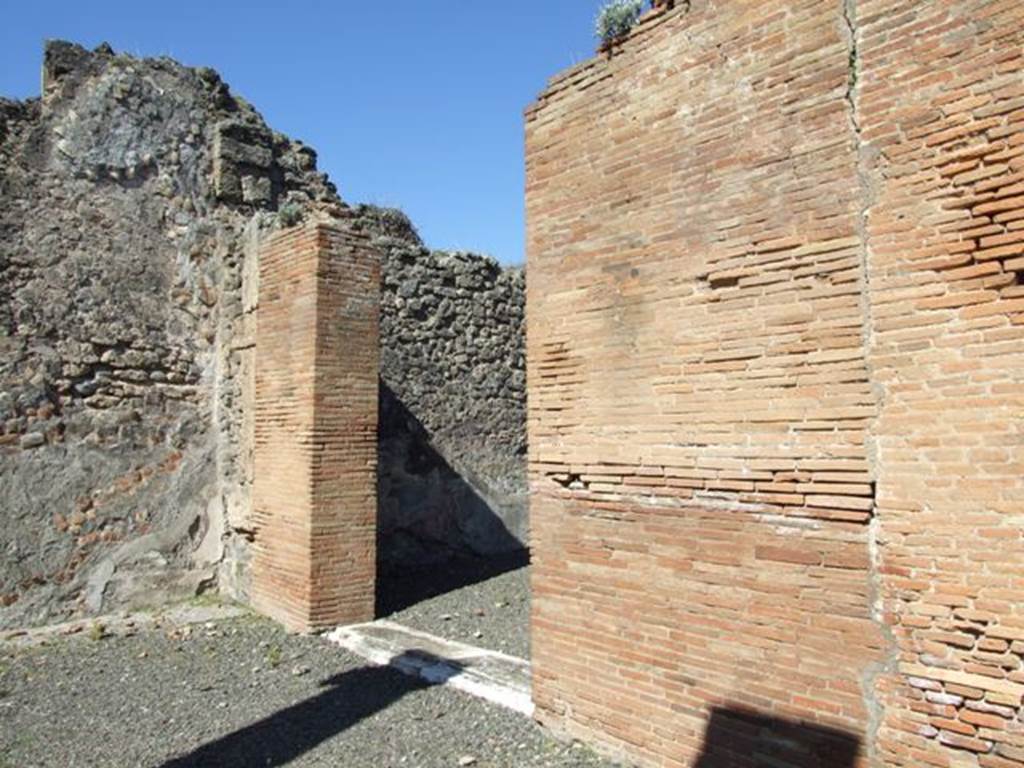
[(949, 449), (316, 427), (775, 373)]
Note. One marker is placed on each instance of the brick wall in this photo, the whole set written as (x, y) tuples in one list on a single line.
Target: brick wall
[(315, 450), (941, 112), (726, 347)]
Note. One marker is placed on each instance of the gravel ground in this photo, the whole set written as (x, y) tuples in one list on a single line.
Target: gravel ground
[(241, 692), (493, 614)]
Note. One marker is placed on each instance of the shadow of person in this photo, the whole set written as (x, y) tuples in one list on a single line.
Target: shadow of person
[(737, 738), (285, 735)]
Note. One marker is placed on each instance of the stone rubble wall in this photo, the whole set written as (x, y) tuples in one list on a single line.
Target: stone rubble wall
[(452, 469), (775, 373), (134, 197), (133, 194)]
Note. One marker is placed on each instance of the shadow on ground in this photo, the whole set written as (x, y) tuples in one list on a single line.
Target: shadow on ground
[(741, 739), (288, 734), (397, 591), (437, 531)]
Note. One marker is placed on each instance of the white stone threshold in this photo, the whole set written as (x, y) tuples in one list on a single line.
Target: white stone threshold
[(490, 675)]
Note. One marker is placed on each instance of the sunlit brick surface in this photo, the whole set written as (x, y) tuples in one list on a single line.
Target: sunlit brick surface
[(316, 427), (775, 384), (941, 108)]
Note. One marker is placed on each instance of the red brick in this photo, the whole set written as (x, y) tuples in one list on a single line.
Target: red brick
[(315, 451), (734, 277)]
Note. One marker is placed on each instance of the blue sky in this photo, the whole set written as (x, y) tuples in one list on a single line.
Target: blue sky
[(411, 103)]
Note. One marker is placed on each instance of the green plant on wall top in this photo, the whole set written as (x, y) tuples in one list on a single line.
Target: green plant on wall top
[(616, 18), (289, 214)]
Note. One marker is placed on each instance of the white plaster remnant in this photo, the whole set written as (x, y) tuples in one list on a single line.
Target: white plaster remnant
[(490, 675)]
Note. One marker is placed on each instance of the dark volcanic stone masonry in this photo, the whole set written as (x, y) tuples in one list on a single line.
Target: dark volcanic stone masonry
[(453, 442), (125, 334), (133, 195)]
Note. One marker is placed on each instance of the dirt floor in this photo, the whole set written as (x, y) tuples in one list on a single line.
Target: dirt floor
[(493, 613), (239, 691)]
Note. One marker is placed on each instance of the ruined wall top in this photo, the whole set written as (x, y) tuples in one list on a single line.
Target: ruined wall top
[(133, 196), (132, 192)]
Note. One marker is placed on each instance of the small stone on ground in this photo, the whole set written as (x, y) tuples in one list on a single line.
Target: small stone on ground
[(492, 614), (233, 696)]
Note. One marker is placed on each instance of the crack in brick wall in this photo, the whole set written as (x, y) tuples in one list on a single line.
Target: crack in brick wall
[(942, 105), (745, 311), (888, 661)]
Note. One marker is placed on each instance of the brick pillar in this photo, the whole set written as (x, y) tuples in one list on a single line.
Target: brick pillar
[(314, 494)]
